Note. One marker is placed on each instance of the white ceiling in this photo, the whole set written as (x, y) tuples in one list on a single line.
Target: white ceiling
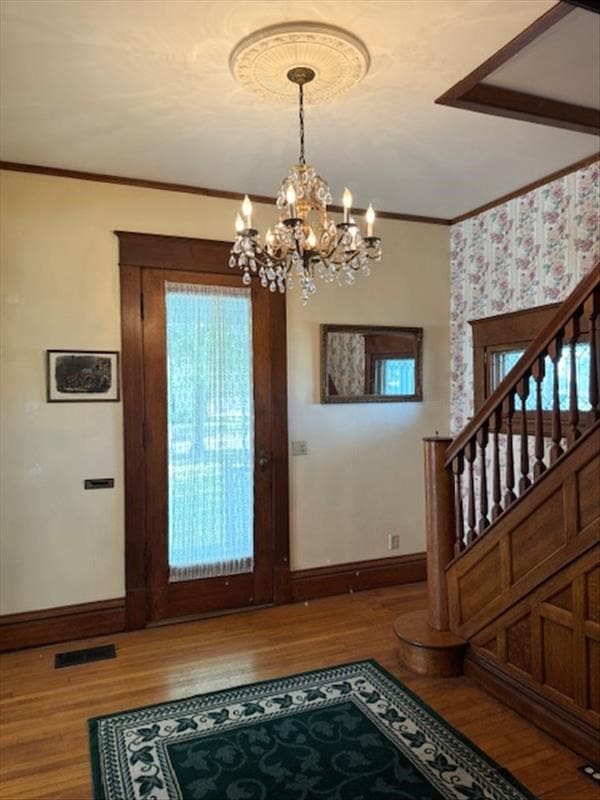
[(142, 88)]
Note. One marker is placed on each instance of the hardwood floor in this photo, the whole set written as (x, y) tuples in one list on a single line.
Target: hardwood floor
[(43, 711)]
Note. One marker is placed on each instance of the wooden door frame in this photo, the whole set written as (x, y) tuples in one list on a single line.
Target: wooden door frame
[(143, 250)]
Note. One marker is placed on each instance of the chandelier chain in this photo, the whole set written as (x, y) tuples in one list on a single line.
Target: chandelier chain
[(301, 114)]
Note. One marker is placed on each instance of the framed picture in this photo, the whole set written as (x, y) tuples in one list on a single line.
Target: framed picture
[(76, 376)]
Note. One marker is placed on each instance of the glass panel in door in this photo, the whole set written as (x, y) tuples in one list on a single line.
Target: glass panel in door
[(208, 397), (210, 431)]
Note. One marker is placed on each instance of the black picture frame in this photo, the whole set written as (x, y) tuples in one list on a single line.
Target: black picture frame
[(83, 376)]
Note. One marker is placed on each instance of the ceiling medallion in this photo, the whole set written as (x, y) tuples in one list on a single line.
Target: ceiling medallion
[(305, 242), (261, 61)]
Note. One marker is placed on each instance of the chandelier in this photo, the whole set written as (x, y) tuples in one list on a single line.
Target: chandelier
[(306, 242)]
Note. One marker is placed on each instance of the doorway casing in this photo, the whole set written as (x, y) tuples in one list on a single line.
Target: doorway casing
[(136, 252)]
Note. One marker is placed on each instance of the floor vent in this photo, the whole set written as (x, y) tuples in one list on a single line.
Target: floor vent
[(75, 657), (591, 772)]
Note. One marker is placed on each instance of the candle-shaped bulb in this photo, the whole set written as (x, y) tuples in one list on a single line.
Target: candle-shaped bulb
[(311, 240), (290, 196), (247, 211), (347, 201), (370, 217), (239, 223)]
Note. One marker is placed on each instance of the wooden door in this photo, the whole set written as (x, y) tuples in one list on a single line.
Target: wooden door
[(145, 345)]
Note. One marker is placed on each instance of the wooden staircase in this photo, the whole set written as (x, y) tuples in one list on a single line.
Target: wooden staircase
[(513, 529)]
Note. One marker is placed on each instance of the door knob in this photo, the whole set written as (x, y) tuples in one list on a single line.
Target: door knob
[(263, 461)]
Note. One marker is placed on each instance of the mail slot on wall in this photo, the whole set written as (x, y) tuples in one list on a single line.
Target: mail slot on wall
[(99, 483)]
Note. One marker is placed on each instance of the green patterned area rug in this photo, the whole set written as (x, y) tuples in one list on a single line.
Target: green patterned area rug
[(351, 732)]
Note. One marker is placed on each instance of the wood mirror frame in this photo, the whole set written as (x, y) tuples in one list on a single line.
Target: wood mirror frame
[(378, 347)]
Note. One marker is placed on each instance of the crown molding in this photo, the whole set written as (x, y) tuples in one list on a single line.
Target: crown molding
[(121, 180), (13, 166), (529, 187)]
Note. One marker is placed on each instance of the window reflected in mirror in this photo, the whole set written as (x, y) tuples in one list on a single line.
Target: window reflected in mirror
[(368, 364)]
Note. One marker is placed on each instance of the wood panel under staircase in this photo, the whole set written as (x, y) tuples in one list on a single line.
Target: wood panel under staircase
[(541, 655), (555, 524), (513, 531)]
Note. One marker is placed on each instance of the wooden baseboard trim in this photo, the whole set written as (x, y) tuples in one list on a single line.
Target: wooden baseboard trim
[(569, 729), (52, 625), (310, 584)]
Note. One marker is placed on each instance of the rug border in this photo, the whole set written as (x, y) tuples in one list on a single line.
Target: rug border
[(92, 722), (97, 785), (507, 774)]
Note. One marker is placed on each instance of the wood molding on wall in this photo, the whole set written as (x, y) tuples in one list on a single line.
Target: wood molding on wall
[(87, 620), (529, 187), (121, 180), (51, 625), (309, 584), (473, 94), (11, 166)]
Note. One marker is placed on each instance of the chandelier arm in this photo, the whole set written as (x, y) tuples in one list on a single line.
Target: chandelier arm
[(326, 255), (324, 258), (363, 248), (337, 248), (265, 260), (336, 245), (347, 261)]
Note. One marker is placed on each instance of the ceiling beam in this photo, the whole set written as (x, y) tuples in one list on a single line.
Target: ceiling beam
[(502, 102), (508, 51), (473, 94)]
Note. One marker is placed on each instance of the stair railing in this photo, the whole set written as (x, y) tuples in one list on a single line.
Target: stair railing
[(492, 461)]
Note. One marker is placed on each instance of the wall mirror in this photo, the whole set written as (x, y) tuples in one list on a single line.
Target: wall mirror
[(371, 364)]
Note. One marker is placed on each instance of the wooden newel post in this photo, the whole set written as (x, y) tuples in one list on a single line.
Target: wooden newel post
[(439, 504), (426, 643)]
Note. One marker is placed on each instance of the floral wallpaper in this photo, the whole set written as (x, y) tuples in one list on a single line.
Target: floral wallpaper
[(530, 251), (346, 362)]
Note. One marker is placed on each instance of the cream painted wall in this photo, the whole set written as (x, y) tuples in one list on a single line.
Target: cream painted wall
[(362, 478)]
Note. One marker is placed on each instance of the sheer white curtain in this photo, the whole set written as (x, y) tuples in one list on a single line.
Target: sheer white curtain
[(210, 431)]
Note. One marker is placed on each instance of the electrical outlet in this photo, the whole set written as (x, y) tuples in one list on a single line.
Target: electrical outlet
[(394, 541), (299, 448)]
